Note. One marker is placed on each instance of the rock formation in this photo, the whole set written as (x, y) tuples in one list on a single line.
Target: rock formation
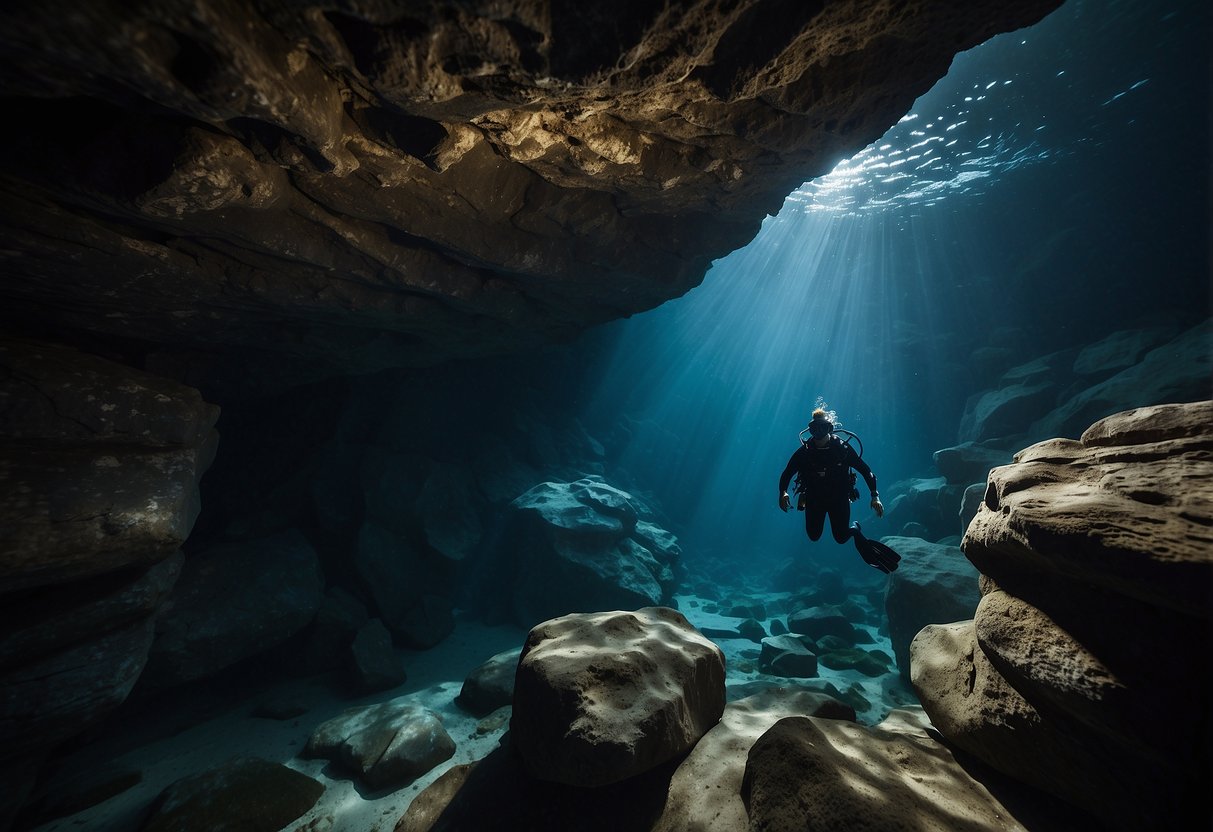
[(341, 189), (1097, 561), (600, 698), (99, 468), (582, 547)]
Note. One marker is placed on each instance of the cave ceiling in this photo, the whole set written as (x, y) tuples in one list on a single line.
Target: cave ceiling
[(296, 190)]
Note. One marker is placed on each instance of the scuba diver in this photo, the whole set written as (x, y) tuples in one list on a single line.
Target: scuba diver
[(825, 485)]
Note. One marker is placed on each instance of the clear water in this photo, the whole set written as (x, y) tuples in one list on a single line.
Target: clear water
[(1052, 189)]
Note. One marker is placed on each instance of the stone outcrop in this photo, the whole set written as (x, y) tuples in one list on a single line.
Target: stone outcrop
[(1096, 559), (583, 547), (933, 585), (600, 698), (234, 601), (358, 187), (99, 470)]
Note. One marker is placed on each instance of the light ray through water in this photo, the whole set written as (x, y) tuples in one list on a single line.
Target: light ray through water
[(883, 285)]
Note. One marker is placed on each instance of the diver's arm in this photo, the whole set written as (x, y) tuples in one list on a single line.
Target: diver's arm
[(786, 476), (785, 501), (864, 471), (868, 477)]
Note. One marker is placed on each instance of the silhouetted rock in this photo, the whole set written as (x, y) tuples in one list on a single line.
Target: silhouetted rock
[(580, 550), (1083, 613), (491, 685), (234, 601), (935, 584), (373, 661), (602, 697), (1178, 371), (968, 462), (246, 793)]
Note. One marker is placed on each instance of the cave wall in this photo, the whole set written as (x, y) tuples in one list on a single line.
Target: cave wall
[(274, 193)]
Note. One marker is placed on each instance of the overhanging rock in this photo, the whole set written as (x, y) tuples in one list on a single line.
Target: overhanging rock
[(337, 188)]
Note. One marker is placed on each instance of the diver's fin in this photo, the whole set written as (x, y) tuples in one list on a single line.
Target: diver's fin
[(875, 553)]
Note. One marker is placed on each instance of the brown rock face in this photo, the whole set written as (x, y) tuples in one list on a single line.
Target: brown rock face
[(99, 470), (365, 185), (1084, 672)]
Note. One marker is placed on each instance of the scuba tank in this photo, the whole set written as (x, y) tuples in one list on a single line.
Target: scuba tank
[(853, 495)]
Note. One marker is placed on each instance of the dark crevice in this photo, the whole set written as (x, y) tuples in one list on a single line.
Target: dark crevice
[(413, 135)]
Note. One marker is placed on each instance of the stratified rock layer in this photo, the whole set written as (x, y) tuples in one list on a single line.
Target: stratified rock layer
[(99, 470), (1097, 562), (394, 184)]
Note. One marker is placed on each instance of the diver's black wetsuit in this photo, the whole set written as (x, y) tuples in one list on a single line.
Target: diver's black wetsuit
[(826, 482)]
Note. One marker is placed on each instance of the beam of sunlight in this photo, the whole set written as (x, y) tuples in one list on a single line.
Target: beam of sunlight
[(879, 286)]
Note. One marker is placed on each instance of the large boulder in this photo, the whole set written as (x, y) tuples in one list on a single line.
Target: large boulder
[(1096, 564), (811, 773), (700, 793), (934, 584), (244, 793), (705, 791), (599, 698), (584, 548), (233, 601), (388, 744)]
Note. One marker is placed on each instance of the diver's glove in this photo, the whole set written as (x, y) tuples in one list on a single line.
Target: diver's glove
[(784, 501), (877, 506)]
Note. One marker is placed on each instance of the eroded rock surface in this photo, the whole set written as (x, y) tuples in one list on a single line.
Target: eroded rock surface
[(394, 184), (602, 697), (808, 773), (1097, 558)]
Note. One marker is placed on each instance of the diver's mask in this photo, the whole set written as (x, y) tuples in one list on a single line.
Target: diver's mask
[(820, 428)]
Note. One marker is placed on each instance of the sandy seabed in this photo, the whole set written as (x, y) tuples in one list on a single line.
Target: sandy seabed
[(172, 743)]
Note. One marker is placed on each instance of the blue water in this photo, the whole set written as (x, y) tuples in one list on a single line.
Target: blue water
[(1052, 189)]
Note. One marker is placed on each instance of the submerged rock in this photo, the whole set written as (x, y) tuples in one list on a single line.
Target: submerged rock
[(246, 793), (603, 697), (373, 661), (389, 744), (790, 656), (491, 685), (811, 773), (234, 601), (935, 584), (1096, 559), (582, 548)]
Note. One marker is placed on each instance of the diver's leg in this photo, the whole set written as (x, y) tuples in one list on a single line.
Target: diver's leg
[(814, 520), (840, 520)]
